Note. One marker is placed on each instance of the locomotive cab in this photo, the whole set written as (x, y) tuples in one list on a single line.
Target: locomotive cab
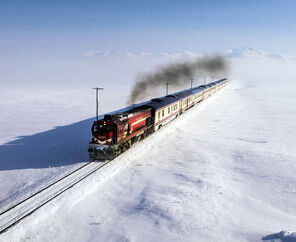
[(104, 132)]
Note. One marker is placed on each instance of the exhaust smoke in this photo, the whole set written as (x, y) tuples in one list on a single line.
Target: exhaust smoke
[(177, 74)]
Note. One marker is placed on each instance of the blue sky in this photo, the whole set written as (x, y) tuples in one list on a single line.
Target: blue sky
[(172, 25), (63, 30)]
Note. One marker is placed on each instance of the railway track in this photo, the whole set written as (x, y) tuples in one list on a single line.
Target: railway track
[(13, 215)]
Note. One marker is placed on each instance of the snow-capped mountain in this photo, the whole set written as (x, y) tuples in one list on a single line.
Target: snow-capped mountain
[(247, 52), (126, 54), (241, 53)]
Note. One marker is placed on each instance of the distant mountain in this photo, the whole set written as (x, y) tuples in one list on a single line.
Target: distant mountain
[(241, 53), (247, 52), (140, 54)]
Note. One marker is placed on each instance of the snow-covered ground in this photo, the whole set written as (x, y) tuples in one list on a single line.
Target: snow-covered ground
[(224, 171), (44, 134)]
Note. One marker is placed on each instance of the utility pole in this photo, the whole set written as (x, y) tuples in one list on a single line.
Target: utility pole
[(191, 82), (204, 80), (212, 78), (167, 88), (97, 100)]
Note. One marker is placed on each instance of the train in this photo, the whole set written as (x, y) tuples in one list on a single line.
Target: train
[(117, 132)]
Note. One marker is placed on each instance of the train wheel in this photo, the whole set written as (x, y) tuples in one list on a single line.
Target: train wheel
[(117, 153)]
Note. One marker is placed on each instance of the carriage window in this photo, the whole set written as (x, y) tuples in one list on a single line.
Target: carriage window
[(126, 127), (169, 110), (158, 115), (162, 112)]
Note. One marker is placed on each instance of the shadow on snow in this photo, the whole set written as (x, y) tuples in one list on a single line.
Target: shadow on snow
[(63, 145), (60, 146)]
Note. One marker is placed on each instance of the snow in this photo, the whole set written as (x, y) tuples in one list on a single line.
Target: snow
[(224, 171), (55, 131)]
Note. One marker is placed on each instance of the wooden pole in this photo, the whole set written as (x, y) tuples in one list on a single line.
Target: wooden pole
[(97, 101)]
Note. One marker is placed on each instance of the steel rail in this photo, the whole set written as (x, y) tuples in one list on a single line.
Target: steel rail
[(52, 197), (43, 189)]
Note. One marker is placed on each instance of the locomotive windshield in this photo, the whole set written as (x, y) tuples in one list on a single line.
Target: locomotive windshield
[(103, 129)]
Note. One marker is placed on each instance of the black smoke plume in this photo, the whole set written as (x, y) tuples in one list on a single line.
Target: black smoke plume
[(177, 74)]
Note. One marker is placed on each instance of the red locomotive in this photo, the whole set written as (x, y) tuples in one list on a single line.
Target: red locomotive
[(117, 132)]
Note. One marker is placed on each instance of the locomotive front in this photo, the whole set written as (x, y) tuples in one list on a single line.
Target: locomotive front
[(104, 139)]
